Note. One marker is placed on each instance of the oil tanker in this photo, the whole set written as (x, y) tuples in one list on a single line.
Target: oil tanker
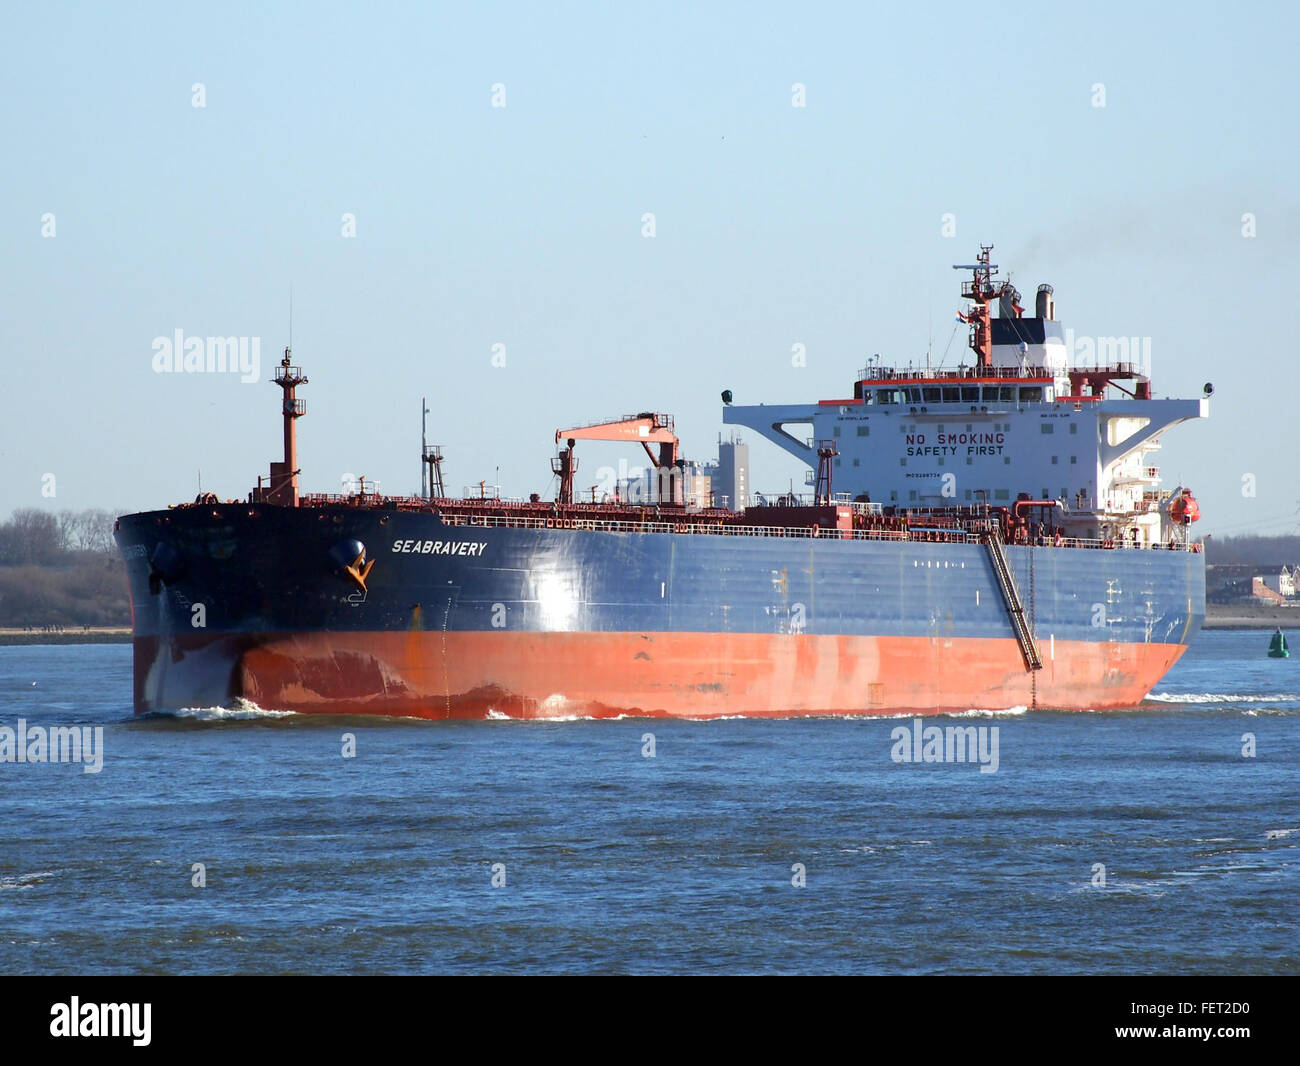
[(989, 536)]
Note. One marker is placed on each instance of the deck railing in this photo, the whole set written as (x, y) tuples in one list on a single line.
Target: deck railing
[(876, 373), (930, 535)]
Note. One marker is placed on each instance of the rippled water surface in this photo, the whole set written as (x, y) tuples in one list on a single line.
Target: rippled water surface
[(684, 862)]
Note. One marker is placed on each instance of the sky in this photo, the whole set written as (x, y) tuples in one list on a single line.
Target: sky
[(1143, 162)]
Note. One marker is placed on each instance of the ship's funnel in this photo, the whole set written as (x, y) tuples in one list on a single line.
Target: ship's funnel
[(1044, 305)]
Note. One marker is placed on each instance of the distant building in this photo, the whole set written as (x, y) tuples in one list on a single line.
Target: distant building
[(1262, 592), (728, 475), (723, 482), (645, 486), (1276, 587), (697, 484), (731, 482)]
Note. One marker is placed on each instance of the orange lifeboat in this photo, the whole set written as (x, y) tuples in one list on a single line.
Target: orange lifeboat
[(1185, 509)]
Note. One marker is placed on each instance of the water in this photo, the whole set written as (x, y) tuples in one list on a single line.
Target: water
[(614, 862)]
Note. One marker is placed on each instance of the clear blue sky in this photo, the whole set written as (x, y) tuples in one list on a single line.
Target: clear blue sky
[(521, 225)]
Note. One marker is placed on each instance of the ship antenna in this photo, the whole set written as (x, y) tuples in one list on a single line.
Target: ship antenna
[(424, 446)]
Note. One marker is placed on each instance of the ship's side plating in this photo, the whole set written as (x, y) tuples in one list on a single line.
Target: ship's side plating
[(461, 620)]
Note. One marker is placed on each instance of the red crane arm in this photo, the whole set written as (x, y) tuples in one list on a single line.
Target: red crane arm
[(645, 429)]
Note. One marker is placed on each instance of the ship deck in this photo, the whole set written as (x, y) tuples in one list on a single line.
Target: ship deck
[(956, 525)]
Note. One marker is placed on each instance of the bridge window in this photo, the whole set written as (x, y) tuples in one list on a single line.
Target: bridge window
[(990, 394), (1031, 394), (891, 396), (970, 394), (951, 394), (929, 395), (1008, 394)]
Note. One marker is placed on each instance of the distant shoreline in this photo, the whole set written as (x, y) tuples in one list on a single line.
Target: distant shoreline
[(1222, 617), (13, 635)]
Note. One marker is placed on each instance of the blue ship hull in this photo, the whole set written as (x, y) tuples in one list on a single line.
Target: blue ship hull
[(464, 620)]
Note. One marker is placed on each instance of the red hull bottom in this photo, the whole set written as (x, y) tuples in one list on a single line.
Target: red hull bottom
[(603, 675)]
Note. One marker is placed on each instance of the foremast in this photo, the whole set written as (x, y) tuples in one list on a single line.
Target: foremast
[(282, 486)]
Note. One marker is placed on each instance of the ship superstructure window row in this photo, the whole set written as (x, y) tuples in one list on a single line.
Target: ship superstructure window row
[(956, 394)]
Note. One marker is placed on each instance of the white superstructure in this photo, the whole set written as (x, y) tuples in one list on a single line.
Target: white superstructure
[(1021, 423)]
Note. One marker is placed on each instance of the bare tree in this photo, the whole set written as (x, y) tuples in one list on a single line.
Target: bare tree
[(42, 538), (99, 531), (92, 531), (31, 536), (67, 530)]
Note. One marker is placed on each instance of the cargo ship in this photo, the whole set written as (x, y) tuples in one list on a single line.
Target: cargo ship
[(989, 536)]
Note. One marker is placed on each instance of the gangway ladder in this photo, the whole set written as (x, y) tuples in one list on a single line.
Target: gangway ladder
[(1011, 597)]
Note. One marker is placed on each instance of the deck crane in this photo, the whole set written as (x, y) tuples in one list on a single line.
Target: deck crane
[(645, 429)]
